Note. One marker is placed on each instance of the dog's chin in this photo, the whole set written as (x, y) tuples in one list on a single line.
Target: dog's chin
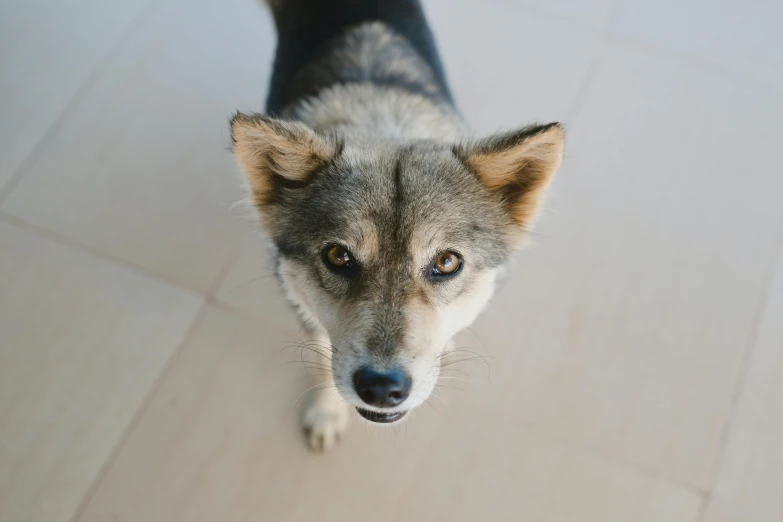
[(381, 418)]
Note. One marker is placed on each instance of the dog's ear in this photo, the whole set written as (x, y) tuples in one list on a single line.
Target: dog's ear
[(517, 166), (275, 154)]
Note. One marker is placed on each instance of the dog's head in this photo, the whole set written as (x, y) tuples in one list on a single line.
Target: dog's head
[(394, 247)]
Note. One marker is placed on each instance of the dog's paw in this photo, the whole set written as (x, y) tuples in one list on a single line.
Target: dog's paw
[(324, 420)]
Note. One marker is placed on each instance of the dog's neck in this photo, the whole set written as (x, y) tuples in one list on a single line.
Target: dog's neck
[(366, 110), (370, 82)]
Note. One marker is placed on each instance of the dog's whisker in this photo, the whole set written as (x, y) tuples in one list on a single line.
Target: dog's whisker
[(309, 341), (460, 355), (463, 357), (468, 355), (314, 367), (295, 346), (320, 364), (433, 394), (466, 359), (321, 344), (441, 385), (320, 370), (455, 370), (455, 378), (316, 372), (473, 333), (432, 407), (463, 352), (301, 349), (318, 353), (461, 349), (486, 357), (317, 387), (310, 346)]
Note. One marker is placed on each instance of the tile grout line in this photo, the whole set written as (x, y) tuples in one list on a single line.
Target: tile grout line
[(703, 65), (593, 67), (139, 413), (614, 15), (611, 40), (606, 456), (74, 244), (571, 21), (81, 92), (703, 505), (221, 276), (583, 89), (747, 359)]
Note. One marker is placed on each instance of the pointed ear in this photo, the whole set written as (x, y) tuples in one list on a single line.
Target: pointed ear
[(276, 154), (517, 166)]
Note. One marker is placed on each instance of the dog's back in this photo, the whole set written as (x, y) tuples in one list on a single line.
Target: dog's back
[(323, 43)]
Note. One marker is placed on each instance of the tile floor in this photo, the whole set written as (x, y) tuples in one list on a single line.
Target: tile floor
[(636, 351)]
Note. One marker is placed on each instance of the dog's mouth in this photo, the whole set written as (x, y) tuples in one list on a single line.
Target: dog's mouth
[(383, 418)]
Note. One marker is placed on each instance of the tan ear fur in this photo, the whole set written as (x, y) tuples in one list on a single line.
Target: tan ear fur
[(518, 166), (271, 151)]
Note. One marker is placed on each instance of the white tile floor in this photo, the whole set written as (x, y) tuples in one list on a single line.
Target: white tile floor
[(636, 351)]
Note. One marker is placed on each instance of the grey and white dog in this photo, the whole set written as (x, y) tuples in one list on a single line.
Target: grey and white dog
[(391, 226)]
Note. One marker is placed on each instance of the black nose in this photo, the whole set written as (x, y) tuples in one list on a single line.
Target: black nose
[(382, 389)]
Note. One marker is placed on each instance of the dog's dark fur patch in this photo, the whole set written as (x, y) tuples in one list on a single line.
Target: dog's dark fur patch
[(310, 31)]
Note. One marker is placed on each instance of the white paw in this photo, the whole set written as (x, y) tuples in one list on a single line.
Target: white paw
[(325, 419)]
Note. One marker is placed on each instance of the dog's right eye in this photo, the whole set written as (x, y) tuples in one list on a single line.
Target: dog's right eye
[(338, 259)]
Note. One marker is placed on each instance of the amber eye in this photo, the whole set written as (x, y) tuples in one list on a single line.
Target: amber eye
[(338, 259), (446, 264)]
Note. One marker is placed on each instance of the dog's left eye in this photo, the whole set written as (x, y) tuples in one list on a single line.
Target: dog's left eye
[(446, 264), (338, 259)]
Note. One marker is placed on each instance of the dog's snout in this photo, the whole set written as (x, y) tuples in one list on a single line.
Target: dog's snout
[(382, 389)]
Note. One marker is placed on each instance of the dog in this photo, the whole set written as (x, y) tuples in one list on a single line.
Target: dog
[(390, 224)]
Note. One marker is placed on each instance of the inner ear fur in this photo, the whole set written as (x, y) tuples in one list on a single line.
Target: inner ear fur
[(274, 153), (517, 166)]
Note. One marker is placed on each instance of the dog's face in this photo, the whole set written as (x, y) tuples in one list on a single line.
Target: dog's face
[(392, 247)]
